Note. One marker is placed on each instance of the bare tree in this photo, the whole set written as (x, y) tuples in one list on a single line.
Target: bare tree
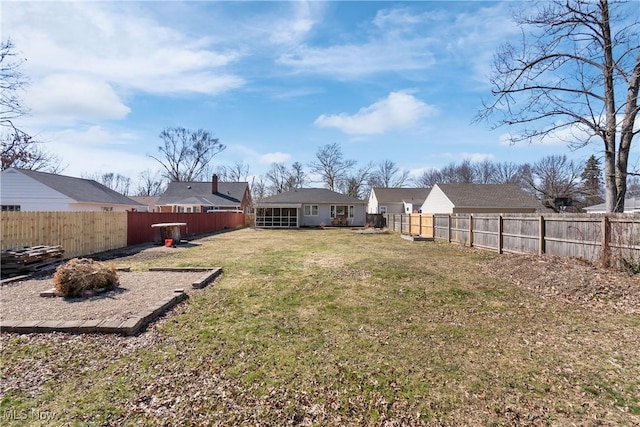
[(114, 181), (507, 173), (484, 172), (555, 180), (280, 178), (575, 77), (150, 184), (388, 175), (429, 178), (331, 166), (258, 188), (355, 185), (237, 172), (18, 149), (185, 154)]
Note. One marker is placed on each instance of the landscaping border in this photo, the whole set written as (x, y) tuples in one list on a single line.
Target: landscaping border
[(129, 327)]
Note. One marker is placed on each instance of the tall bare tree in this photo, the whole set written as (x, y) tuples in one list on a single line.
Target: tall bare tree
[(507, 173), (429, 178), (17, 148), (575, 77), (115, 181), (237, 172), (355, 184), (258, 188), (280, 178), (151, 183), (555, 180), (331, 166), (185, 154), (388, 175)]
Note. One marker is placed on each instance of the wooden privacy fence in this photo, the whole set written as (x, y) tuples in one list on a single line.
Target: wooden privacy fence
[(84, 233), (605, 238), (140, 231), (79, 233)]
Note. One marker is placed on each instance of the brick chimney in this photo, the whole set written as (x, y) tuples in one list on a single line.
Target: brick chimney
[(214, 184)]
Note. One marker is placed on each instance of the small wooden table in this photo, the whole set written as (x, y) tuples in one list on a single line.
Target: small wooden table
[(169, 230)]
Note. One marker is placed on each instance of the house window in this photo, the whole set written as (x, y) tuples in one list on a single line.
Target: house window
[(107, 209), (10, 208), (310, 210), (383, 209), (338, 211)]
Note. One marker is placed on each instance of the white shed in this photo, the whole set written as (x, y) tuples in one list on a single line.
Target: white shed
[(479, 198)]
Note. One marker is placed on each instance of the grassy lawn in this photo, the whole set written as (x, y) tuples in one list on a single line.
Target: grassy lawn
[(334, 327)]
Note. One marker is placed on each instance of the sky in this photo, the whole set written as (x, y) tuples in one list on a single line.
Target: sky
[(274, 81)]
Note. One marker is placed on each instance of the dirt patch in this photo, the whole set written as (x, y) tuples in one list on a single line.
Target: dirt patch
[(571, 279), (136, 293)]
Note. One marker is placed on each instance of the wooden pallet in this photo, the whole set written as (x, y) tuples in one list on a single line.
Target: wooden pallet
[(29, 259)]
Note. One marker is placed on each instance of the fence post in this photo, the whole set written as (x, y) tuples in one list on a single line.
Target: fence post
[(449, 228), (500, 225), (433, 226), (541, 236), (471, 230), (605, 252)]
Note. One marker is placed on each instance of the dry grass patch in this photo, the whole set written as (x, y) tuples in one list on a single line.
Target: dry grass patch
[(333, 327)]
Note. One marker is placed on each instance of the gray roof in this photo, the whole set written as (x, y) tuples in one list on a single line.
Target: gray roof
[(416, 196), (488, 196), (630, 204), (79, 189), (199, 193), (310, 195)]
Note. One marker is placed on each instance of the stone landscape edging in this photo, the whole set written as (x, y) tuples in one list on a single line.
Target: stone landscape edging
[(129, 327)]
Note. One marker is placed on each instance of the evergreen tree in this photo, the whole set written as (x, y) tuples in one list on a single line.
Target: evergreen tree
[(592, 182)]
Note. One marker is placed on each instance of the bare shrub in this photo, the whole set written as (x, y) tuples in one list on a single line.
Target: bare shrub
[(82, 274)]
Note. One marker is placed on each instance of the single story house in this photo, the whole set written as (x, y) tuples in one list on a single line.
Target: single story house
[(149, 203), (206, 197), (396, 200), (309, 207), (27, 190), (479, 198), (631, 205)]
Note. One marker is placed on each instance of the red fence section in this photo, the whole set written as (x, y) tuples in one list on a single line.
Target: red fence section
[(139, 224)]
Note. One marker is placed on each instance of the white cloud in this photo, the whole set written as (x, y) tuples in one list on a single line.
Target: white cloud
[(399, 110), (356, 60), (95, 149), (277, 157), (72, 95), (119, 43), (296, 27), (473, 157)]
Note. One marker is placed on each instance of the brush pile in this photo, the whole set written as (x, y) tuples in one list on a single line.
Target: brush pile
[(81, 276)]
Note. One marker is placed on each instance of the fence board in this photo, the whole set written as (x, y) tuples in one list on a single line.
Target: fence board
[(79, 233), (578, 236), (140, 230)]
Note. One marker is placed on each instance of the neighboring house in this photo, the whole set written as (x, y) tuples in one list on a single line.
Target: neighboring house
[(206, 197), (631, 205), (396, 200), (310, 207), (479, 198), (149, 203), (27, 190)]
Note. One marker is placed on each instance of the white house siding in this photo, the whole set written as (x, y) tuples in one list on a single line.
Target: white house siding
[(372, 206), (31, 195), (98, 207), (437, 202)]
